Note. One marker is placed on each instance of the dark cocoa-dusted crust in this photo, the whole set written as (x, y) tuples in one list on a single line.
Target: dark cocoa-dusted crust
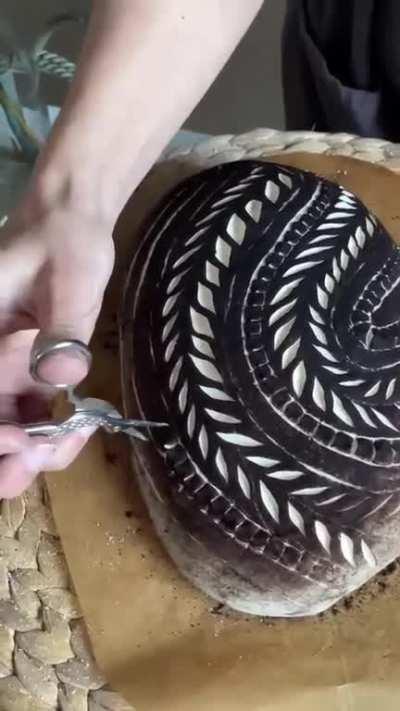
[(246, 535)]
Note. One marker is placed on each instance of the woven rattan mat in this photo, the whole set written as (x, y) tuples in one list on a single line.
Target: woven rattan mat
[(45, 658)]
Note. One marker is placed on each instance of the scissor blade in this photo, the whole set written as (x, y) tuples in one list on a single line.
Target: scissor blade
[(133, 428), (137, 434), (140, 424)]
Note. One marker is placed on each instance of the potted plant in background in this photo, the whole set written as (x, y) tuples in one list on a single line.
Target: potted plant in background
[(25, 120)]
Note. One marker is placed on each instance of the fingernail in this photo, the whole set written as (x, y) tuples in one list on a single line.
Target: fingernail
[(37, 457)]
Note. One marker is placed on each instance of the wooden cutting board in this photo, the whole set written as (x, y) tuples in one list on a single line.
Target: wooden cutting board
[(159, 642)]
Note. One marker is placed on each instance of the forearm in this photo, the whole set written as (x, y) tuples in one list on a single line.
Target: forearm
[(144, 66)]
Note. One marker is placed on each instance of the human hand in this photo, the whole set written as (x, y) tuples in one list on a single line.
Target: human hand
[(56, 261), (54, 266)]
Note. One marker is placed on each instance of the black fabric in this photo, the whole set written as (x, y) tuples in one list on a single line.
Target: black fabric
[(344, 34), (341, 66)]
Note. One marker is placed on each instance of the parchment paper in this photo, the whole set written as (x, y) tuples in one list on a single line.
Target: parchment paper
[(159, 642)]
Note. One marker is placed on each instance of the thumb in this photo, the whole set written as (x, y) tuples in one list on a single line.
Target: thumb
[(57, 307), (59, 361), (66, 310)]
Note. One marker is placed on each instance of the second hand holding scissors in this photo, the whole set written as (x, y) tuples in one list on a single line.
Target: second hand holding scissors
[(88, 411)]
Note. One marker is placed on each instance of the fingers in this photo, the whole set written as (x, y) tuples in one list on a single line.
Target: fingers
[(21, 460), (17, 471), (14, 362), (15, 350), (55, 273), (68, 298), (69, 311), (13, 439), (67, 450), (24, 459), (19, 264)]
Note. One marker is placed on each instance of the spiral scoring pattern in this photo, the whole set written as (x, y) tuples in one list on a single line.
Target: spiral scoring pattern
[(267, 297)]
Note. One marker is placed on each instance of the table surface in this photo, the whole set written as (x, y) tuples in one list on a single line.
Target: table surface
[(45, 658)]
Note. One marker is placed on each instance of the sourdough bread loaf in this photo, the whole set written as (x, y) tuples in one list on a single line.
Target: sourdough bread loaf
[(260, 321)]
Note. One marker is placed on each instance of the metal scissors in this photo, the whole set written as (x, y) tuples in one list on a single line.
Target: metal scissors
[(87, 411)]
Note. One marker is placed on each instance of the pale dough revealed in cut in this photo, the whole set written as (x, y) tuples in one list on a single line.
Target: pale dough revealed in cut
[(260, 320)]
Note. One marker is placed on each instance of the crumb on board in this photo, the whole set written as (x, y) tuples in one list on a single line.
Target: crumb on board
[(382, 583), (113, 540)]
